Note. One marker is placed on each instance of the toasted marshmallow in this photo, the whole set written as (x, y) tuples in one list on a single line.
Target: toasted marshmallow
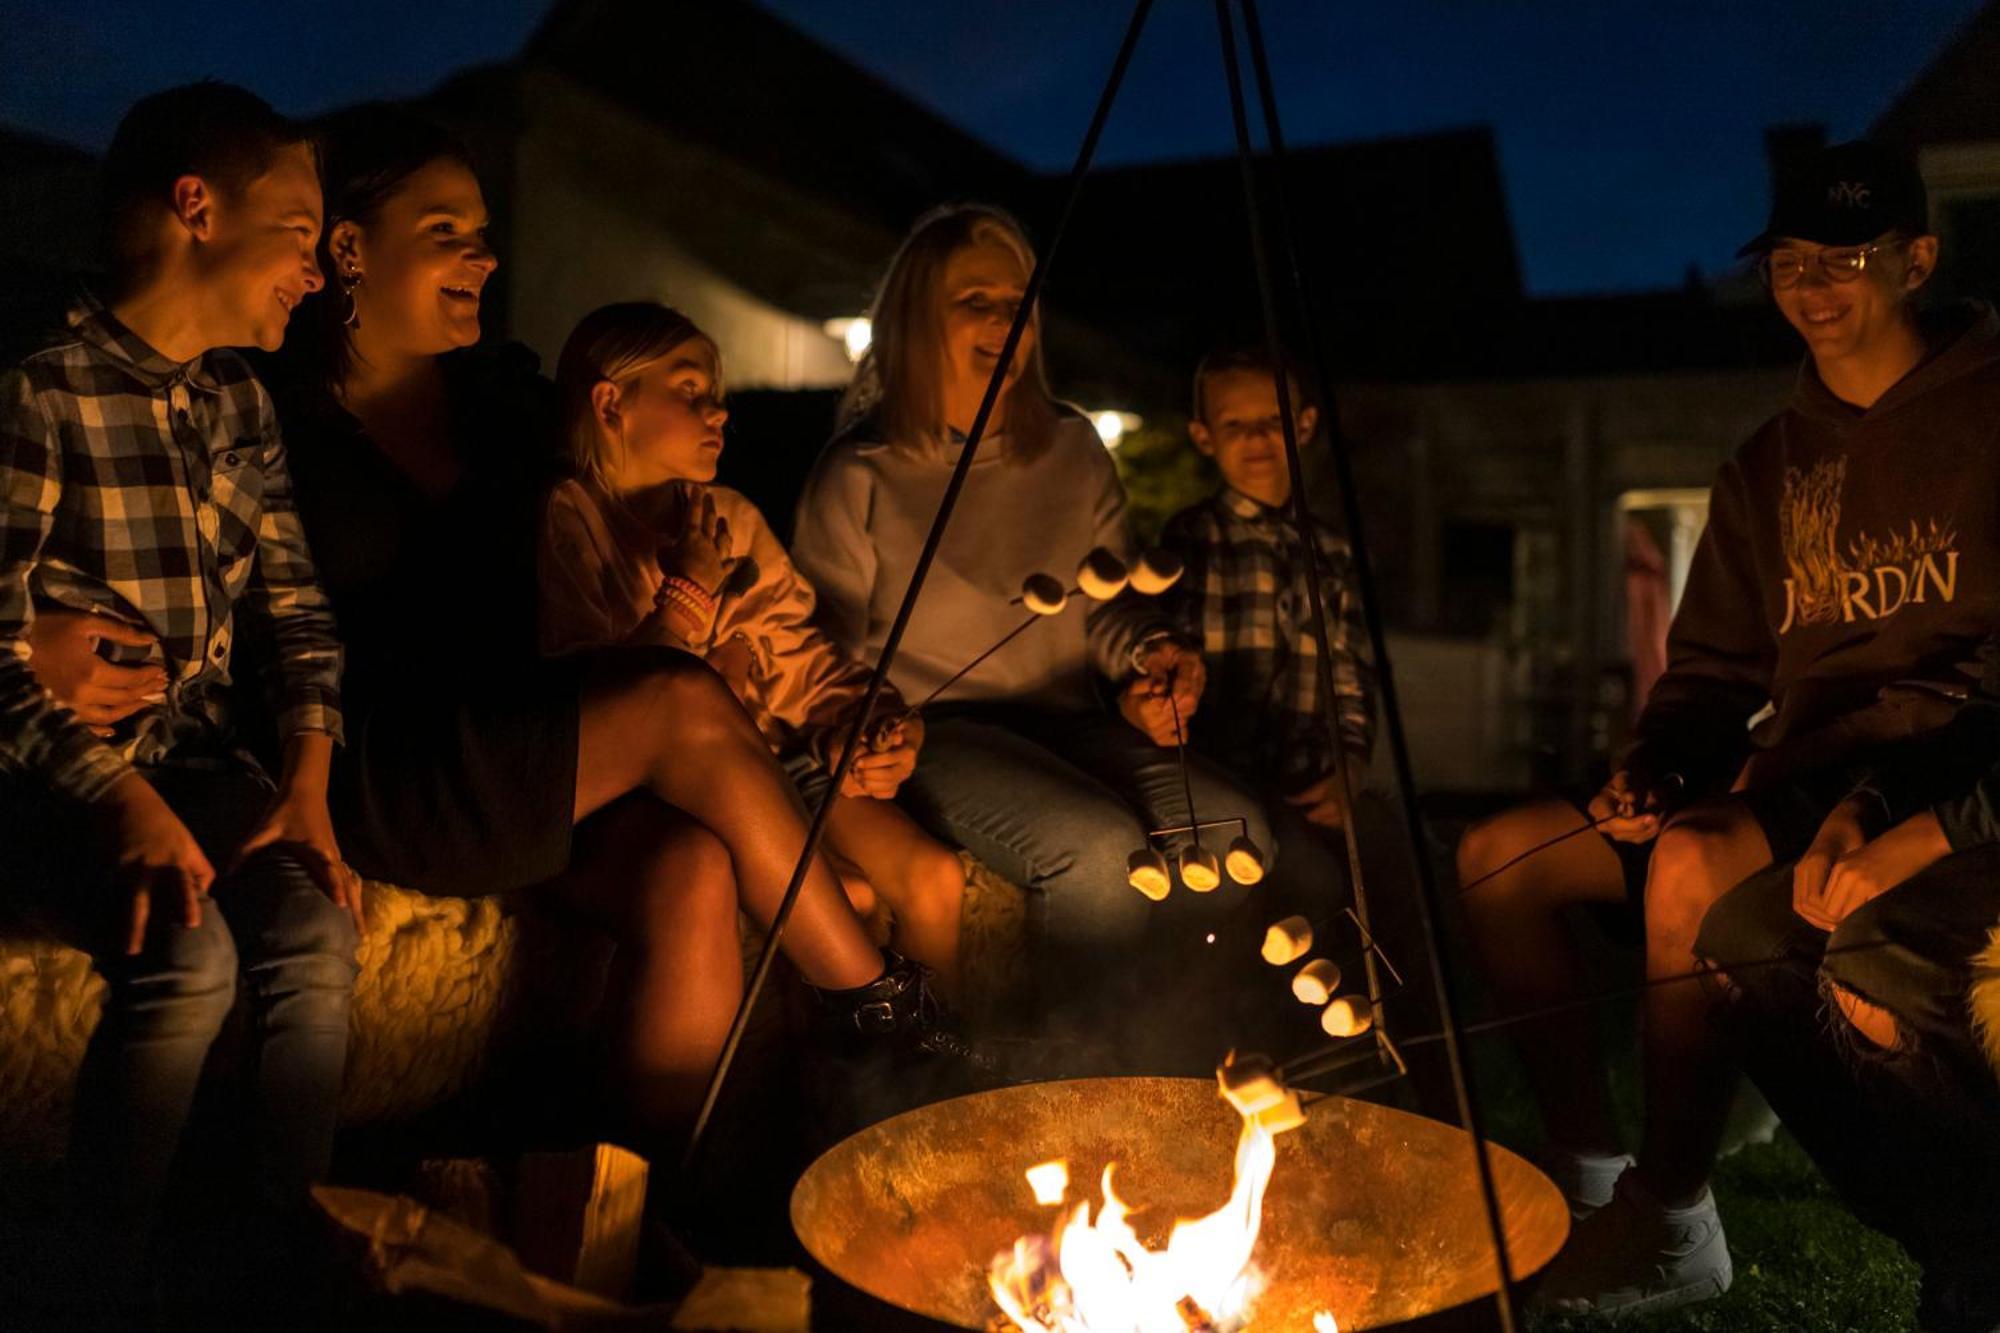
[(1044, 594), (1244, 861), (1287, 941), (1199, 870), (1102, 575), (1249, 1083), (1317, 981), (1146, 871), (1157, 571), (1345, 1018)]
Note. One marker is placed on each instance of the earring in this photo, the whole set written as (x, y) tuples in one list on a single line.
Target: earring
[(349, 281)]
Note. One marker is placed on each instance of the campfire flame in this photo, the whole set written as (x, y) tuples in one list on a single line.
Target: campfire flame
[(1097, 1276)]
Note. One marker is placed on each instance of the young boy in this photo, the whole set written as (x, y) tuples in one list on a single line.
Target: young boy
[(144, 481), (1245, 598), (1841, 579)]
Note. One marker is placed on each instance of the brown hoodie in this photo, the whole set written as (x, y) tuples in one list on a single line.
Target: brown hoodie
[(1846, 552)]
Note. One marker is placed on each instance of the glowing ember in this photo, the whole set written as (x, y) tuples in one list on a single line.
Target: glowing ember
[(1094, 1275), (1323, 1323), (1049, 1181)]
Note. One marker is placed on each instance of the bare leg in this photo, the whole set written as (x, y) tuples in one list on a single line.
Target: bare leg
[(922, 878), (663, 887), (1530, 960), (668, 725), (1690, 1075)]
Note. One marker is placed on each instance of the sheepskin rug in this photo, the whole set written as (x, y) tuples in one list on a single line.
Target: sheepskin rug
[(446, 984)]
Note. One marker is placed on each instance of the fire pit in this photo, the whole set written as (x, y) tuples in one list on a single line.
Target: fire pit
[(1371, 1214)]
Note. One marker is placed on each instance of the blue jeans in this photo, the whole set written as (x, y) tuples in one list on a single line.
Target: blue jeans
[(1056, 802), (268, 925)]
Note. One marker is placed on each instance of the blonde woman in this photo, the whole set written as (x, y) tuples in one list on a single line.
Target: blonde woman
[(639, 548), (1023, 763)]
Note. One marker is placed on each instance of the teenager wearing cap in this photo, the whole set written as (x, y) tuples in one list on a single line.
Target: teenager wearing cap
[(1847, 570)]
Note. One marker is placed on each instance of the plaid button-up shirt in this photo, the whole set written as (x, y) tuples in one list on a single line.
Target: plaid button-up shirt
[(155, 493), (1246, 600)]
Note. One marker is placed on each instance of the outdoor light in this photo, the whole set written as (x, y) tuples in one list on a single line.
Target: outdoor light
[(1114, 426), (853, 333)]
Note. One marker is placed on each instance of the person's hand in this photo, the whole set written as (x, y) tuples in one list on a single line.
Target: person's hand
[(1171, 679), (1628, 814), (1870, 870), (155, 857), (63, 656), (886, 762), (1323, 803), (1841, 832), (697, 551), (298, 821)]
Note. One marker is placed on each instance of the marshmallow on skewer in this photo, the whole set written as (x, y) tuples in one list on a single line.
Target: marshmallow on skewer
[(1157, 571), (1286, 1114), (1317, 981), (1345, 1018), (1198, 869), (1288, 941), (1101, 576), (1044, 594), (1249, 1083), (1244, 861), (1146, 871)]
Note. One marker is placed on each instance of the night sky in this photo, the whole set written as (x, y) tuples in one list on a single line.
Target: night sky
[(1630, 134)]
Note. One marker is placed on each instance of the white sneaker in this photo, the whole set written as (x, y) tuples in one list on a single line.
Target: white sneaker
[(1634, 1257), (1585, 1178)]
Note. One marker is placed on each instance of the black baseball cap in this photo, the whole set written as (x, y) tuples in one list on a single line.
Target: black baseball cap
[(1846, 195)]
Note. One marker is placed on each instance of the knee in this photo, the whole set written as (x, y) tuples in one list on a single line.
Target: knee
[(186, 975), (689, 869), (935, 884), (1690, 871), (1483, 848), (1879, 983)]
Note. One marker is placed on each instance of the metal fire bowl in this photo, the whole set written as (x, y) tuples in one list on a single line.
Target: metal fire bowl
[(1372, 1213)]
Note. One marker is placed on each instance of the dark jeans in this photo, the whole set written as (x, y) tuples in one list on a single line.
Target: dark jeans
[(1056, 803), (266, 924), (1910, 1137)]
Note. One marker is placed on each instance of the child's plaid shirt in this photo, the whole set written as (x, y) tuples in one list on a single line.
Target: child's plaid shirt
[(1245, 599), (156, 493)]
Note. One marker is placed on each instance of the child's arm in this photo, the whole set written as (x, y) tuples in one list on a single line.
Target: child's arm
[(576, 613), (37, 735), (802, 677)]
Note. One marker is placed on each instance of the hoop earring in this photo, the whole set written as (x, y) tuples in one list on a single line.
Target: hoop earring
[(352, 319)]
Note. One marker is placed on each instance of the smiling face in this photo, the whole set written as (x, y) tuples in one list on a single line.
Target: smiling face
[(667, 419), (1849, 321), (255, 257), (422, 262), (981, 291), (1240, 429)]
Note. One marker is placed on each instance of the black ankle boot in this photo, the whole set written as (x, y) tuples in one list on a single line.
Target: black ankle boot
[(900, 1013)]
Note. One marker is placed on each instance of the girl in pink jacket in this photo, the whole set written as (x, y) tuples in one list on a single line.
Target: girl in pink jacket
[(638, 547)]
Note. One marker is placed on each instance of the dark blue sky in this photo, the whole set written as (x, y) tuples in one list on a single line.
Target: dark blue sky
[(1630, 133)]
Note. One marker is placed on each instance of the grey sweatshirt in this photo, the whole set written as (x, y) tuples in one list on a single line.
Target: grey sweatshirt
[(862, 520)]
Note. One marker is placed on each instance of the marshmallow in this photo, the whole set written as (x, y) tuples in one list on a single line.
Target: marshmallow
[(1198, 869), (1101, 576), (1345, 1018), (1157, 571), (1146, 871), (1317, 981), (1044, 594), (1288, 941), (1049, 1181), (1249, 1083), (1244, 861), (1287, 1114)]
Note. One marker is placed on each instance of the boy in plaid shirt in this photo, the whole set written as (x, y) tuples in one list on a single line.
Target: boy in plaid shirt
[(144, 484), (1245, 600)]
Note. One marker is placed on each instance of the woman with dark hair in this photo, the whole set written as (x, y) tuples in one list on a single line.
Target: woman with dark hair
[(419, 461)]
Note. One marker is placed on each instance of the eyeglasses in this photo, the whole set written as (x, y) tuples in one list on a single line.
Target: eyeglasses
[(1783, 269)]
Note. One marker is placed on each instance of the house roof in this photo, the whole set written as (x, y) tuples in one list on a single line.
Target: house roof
[(1957, 97)]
